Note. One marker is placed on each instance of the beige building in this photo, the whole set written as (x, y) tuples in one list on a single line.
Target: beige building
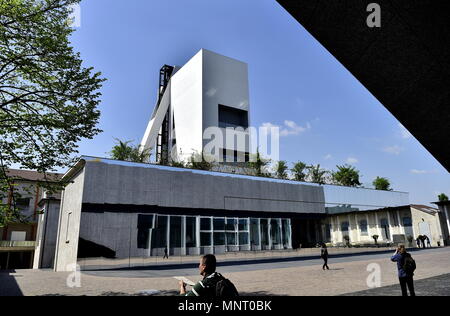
[(18, 240), (392, 226)]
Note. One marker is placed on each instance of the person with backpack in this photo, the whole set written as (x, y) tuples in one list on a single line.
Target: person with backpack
[(428, 241), (213, 283), (406, 267), (324, 256)]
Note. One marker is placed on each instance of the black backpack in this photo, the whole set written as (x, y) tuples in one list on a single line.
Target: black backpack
[(225, 288), (409, 265)]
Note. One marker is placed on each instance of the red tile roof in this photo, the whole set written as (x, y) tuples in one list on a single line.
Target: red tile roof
[(33, 175)]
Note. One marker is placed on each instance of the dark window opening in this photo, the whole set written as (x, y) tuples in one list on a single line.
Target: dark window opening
[(145, 223), (232, 156), (232, 117)]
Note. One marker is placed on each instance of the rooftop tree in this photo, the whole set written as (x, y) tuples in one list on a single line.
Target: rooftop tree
[(281, 168), (382, 184), (317, 174), (346, 175), (259, 165), (126, 152), (48, 100), (299, 171)]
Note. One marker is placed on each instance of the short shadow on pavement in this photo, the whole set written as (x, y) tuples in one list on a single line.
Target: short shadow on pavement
[(8, 284), (435, 286)]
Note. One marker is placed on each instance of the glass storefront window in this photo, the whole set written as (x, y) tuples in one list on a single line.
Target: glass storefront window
[(219, 224), (231, 239), (205, 223), (191, 236), (205, 239), (175, 231), (159, 236), (264, 232), (254, 232), (219, 239), (243, 238), (243, 224), (231, 224), (275, 231), (145, 224)]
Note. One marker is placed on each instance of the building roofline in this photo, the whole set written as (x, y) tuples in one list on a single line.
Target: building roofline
[(383, 209), (439, 203), (85, 158)]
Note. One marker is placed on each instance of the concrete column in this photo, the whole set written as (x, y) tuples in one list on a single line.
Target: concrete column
[(400, 224), (290, 233), (377, 223), (358, 229), (281, 232), (269, 226), (168, 235), (339, 230), (350, 229), (390, 226), (368, 226), (183, 235), (259, 233), (197, 233)]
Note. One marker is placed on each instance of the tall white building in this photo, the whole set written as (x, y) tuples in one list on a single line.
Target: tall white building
[(210, 90)]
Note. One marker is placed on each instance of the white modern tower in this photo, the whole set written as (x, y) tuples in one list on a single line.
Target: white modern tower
[(210, 90)]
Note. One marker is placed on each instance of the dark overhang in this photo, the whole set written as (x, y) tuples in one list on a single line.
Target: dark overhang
[(404, 63)]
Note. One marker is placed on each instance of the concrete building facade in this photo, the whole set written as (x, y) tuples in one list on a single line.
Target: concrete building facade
[(121, 214)]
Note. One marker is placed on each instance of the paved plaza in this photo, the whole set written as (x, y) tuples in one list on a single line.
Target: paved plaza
[(289, 275)]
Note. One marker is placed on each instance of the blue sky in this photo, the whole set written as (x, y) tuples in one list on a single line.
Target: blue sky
[(328, 116)]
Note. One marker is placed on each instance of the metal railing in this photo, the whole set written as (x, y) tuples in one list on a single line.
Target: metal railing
[(17, 244)]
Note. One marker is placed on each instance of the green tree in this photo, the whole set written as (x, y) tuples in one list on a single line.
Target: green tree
[(317, 175), (442, 197), (346, 175), (299, 171), (281, 168), (48, 100), (199, 161), (382, 184), (259, 165), (126, 152)]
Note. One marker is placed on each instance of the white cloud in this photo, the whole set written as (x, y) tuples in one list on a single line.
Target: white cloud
[(289, 128), (417, 171), (269, 125), (328, 157), (352, 160), (395, 150), (404, 132)]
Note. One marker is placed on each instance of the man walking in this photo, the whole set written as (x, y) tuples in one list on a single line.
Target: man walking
[(406, 267), (324, 256)]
